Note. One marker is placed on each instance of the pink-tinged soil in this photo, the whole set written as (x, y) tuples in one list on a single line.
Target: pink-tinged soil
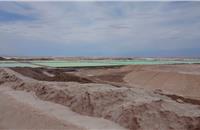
[(138, 97)]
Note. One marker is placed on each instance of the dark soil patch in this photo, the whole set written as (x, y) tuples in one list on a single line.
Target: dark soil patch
[(113, 77), (59, 75), (1, 58), (186, 100), (93, 67), (182, 99)]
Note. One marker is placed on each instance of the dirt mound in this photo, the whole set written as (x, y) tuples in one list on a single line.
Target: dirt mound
[(5, 77), (50, 75), (131, 108)]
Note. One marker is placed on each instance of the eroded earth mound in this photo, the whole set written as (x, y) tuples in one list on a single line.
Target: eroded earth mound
[(131, 107)]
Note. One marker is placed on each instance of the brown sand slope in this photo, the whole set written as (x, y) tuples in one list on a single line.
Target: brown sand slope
[(132, 108), (29, 112), (16, 115), (70, 120), (182, 80)]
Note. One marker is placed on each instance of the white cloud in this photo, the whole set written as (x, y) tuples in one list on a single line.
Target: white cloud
[(121, 26)]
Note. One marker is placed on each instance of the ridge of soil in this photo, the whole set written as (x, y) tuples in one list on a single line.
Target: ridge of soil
[(59, 75), (181, 99), (132, 108)]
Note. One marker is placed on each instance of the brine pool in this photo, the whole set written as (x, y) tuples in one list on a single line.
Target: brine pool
[(90, 63)]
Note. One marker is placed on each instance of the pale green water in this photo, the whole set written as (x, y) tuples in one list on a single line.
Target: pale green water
[(85, 63), (15, 64)]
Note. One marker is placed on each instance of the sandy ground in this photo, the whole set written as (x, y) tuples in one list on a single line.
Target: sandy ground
[(140, 97), (181, 80), (18, 112), (173, 79), (19, 115)]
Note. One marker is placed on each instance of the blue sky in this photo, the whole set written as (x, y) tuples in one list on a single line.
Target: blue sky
[(100, 28)]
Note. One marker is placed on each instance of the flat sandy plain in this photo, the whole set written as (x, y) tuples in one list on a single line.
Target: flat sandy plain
[(134, 97)]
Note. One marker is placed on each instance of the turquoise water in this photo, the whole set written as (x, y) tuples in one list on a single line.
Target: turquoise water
[(15, 64), (85, 63)]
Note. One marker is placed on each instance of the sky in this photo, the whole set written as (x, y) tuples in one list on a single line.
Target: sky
[(126, 29)]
